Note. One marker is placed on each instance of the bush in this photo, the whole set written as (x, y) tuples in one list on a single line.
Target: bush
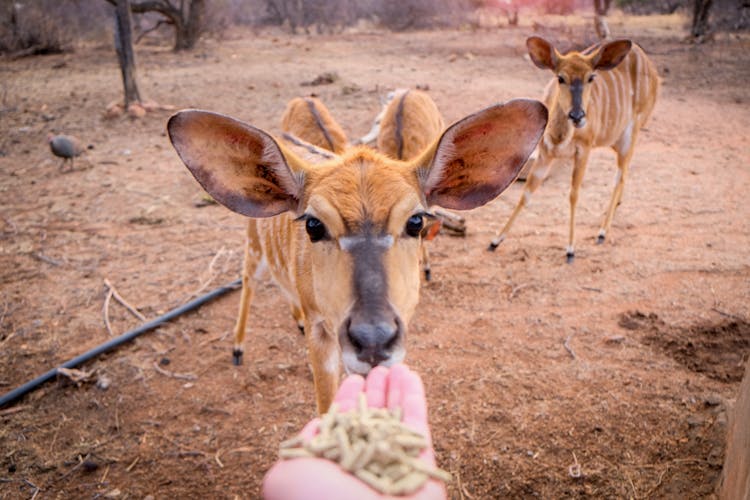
[(31, 28)]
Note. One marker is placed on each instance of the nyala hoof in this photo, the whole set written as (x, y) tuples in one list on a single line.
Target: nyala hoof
[(236, 357)]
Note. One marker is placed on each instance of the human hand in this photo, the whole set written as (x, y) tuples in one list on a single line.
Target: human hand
[(321, 479)]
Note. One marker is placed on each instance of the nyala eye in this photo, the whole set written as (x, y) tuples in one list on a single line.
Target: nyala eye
[(315, 229), (561, 80), (591, 78), (414, 225)]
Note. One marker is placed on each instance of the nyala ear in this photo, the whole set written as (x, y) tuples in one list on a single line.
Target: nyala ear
[(240, 166), (611, 54), (478, 157), (542, 53)]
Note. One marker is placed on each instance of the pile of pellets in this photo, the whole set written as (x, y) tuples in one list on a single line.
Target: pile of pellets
[(374, 445)]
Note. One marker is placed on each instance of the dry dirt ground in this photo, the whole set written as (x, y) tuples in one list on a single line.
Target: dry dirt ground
[(607, 378)]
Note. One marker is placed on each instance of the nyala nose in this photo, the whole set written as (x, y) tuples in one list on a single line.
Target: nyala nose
[(576, 115), (373, 343)]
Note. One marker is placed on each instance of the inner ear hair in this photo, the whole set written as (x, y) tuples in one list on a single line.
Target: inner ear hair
[(611, 54), (542, 53)]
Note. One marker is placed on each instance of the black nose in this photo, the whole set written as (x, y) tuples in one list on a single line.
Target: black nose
[(577, 115), (373, 342)]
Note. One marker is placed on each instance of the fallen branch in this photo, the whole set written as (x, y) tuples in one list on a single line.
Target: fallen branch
[(135, 312), (75, 467), (514, 290), (48, 260), (566, 345), (728, 315), (211, 273), (167, 373), (36, 488), (454, 224), (11, 411), (130, 467), (77, 376), (105, 310)]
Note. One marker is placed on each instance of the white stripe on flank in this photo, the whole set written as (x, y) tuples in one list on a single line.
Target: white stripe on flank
[(626, 139), (638, 89), (646, 80), (261, 269), (604, 102), (616, 91)]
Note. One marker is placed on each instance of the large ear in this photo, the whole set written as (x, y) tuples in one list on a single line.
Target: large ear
[(241, 166), (478, 157), (611, 54), (542, 53)]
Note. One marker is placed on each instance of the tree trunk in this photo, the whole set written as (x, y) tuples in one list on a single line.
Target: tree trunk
[(125, 53), (700, 18), (187, 31), (601, 7)]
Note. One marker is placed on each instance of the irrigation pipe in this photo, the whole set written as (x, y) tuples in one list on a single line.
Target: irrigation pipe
[(117, 341)]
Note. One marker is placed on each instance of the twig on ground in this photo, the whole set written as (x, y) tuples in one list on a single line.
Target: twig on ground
[(135, 312), (514, 290), (117, 415), (6, 339), (2, 316), (728, 315), (217, 338), (12, 225), (48, 260), (105, 310), (11, 411), (181, 376), (36, 488), (54, 437), (210, 272), (635, 493), (243, 449), (658, 483), (75, 467), (132, 464), (591, 289), (104, 476), (218, 459), (489, 439), (462, 488), (76, 376), (566, 345)]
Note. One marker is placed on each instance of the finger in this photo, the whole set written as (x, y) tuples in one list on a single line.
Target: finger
[(393, 392), (310, 430), (348, 393), (376, 387), (414, 406), (413, 401)]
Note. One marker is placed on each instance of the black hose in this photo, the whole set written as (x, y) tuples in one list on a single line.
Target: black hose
[(117, 341)]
